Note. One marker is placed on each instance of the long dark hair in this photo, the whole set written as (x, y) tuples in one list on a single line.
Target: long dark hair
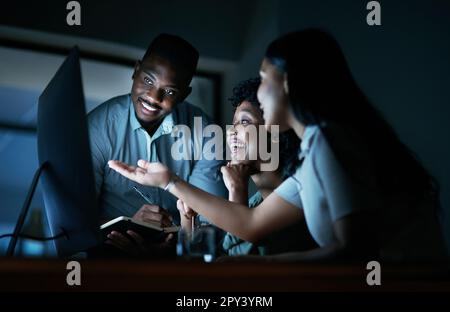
[(322, 92)]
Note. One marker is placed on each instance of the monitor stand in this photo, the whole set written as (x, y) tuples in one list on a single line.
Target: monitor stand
[(24, 211)]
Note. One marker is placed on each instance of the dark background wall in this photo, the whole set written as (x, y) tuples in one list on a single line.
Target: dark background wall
[(403, 65), (216, 28)]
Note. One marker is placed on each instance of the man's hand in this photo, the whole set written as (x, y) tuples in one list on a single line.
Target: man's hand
[(146, 173), (135, 245), (153, 214)]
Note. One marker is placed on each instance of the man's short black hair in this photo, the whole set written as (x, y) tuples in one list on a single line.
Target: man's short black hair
[(180, 53), (246, 91)]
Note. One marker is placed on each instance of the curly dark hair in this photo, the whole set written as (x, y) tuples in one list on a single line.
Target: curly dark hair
[(246, 91), (289, 142)]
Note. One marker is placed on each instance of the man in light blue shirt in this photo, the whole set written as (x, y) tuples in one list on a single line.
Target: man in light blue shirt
[(139, 126)]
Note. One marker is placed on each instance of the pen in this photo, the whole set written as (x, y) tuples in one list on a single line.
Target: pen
[(147, 199), (192, 226)]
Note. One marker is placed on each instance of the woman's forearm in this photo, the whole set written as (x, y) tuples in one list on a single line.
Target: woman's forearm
[(272, 214), (231, 217)]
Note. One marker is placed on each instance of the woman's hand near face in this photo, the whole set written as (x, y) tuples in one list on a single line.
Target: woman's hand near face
[(236, 178)]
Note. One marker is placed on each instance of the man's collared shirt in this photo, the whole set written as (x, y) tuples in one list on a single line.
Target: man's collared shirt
[(115, 133)]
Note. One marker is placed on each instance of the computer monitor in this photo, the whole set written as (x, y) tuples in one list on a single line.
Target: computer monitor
[(63, 145)]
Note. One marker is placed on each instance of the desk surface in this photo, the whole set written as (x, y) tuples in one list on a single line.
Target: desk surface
[(50, 275)]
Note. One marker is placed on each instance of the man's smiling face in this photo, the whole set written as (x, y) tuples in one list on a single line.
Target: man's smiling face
[(157, 88)]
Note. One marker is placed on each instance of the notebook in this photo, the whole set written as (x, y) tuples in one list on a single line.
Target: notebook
[(151, 232)]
